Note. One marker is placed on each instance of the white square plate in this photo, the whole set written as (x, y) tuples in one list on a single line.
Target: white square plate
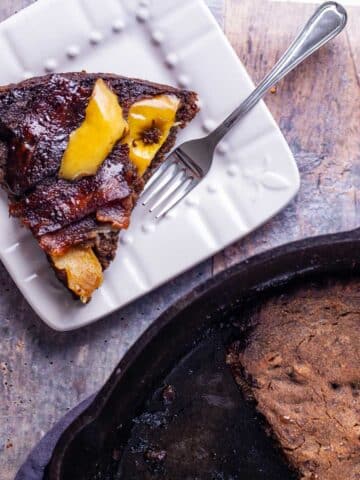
[(169, 41)]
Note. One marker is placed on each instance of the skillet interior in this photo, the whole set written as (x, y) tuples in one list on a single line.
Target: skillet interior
[(95, 435), (207, 430)]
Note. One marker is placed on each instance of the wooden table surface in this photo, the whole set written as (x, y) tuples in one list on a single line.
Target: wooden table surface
[(44, 374)]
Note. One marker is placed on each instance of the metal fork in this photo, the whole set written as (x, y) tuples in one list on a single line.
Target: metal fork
[(188, 164)]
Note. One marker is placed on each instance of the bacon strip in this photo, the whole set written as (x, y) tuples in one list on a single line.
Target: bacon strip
[(112, 217), (117, 213), (56, 203)]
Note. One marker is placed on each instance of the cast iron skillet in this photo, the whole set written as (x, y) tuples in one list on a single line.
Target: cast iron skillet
[(108, 421)]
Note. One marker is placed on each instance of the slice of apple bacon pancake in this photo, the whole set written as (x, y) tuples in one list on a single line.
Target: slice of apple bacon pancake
[(75, 152)]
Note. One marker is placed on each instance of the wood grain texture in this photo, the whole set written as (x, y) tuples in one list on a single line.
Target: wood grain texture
[(9, 7), (318, 109), (353, 33)]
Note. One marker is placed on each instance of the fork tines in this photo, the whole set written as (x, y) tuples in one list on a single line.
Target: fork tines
[(173, 180)]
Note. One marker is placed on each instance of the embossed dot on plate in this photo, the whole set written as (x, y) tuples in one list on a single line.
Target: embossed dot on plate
[(157, 37), (73, 51), (170, 215), (211, 188), (50, 65), (222, 148), (192, 202), (171, 60), (126, 239), (143, 14), (209, 125), (144, 3), (118, 26), (148, 228), (232, 170), (96, 37), (184, 80)]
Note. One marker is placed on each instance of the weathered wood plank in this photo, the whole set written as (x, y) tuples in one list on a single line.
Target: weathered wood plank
[(9, 7), (353, 33), (318, 109)]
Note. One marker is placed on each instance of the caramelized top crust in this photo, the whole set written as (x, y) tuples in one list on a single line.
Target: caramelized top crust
[(37, 125), (37, 117)]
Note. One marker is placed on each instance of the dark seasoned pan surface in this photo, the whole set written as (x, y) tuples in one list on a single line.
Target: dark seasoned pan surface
[(198, 426)]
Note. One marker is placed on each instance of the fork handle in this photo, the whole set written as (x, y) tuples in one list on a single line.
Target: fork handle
[(327, 22)]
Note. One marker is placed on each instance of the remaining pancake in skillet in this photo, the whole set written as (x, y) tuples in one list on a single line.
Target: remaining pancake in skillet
[(301, 365), (75, 152)]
